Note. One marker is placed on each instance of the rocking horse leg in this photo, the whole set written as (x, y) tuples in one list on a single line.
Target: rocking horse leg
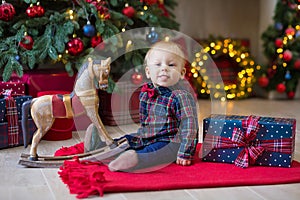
[(40, 132), (103, 134)]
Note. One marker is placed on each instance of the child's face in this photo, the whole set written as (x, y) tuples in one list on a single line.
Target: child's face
[(164, 68)]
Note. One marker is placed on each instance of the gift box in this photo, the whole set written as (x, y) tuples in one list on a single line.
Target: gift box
[(47, 80), (17, 87), (19, 101), (249, 140), (7, 140)]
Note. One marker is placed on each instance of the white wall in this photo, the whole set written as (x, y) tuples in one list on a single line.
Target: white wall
[(244, 19)]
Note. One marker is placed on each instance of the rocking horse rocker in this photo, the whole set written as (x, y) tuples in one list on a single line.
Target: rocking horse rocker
[(42, 113)]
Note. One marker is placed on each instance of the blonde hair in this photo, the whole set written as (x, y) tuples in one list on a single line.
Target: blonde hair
[(170, 47)]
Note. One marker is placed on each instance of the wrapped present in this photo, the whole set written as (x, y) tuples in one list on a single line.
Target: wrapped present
[(19, 101), (12, 140), (17, 87), (249, 140), (47, 80)]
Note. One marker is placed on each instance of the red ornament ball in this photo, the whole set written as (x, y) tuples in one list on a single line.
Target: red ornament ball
[(35, 11), (297, 64), (280, 88), (129, 11), (7, 12), (26, 42), (287, 55), (40, 11), (290, 31), (30, 12), (96, 40), (75, 46), (278, 43), (137, 78), (291, 94), (263, 81)]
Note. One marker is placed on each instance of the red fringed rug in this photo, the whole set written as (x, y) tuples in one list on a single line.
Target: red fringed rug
[(98, 179)]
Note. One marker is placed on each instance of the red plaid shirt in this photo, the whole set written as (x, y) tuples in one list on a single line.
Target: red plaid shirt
[(170, 115)]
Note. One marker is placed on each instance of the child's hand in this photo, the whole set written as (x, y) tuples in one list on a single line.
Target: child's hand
[(183, 162)]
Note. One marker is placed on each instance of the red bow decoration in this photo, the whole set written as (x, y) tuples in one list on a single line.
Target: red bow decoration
[(246, 138), (12, 118), (150, 91)]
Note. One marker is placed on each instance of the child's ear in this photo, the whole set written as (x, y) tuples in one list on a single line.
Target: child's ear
[(183, 71), (147, 72)]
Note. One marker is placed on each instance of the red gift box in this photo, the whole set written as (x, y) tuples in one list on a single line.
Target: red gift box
[(62, 127), (47, 80), (17, 87)]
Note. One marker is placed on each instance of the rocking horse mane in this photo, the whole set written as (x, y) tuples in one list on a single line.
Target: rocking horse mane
[(85, 65)]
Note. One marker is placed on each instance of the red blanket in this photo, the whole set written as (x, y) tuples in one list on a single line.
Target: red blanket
[(90, 178)]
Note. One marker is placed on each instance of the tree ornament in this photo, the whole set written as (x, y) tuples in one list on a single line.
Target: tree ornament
[(291, 95), (128, 11), (278, 26), (35, 11), (137, 78), (263, 81), (161, 5), (290, 31), (75, 46), (152, 36), (279, 43), (281, 88), (26, 42), (89, 30), (40, 11), (297, 34), (297, 64), (30, 11), (7, 11), (96, 40), (288, 75), (287, 55), (292, 6)]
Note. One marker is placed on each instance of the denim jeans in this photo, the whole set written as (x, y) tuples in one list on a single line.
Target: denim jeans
[(155, 155)]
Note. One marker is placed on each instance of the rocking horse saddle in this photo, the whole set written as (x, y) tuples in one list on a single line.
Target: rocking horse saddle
[(62, 105)]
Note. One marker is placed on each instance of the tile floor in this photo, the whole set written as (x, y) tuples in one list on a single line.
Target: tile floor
[(17, 182)]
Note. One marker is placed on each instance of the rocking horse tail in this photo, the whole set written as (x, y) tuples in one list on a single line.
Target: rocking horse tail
[(25, 126)]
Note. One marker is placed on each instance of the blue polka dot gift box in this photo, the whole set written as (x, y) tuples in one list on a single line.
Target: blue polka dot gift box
[(249, 140), (11, 133), (19, 101)]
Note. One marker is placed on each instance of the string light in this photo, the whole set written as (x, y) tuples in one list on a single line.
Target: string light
[(242, 86)]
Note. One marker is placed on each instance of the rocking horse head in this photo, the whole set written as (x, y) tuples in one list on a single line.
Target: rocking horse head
[(100, 71)]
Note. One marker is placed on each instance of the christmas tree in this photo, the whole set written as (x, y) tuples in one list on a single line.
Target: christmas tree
[(65, 31), (282, 48)]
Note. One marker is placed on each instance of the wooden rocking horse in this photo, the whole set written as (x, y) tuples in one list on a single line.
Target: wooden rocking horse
[(86, 92)]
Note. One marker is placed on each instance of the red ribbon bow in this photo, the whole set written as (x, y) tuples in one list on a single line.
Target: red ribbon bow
[(12, 118), (251, 152), (246, 138), (150, 91)]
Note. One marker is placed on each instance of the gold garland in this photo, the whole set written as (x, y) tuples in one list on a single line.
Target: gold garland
[(239, 54)]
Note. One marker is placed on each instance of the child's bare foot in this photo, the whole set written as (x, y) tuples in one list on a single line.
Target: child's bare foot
[(183, 162), (126, 160)]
